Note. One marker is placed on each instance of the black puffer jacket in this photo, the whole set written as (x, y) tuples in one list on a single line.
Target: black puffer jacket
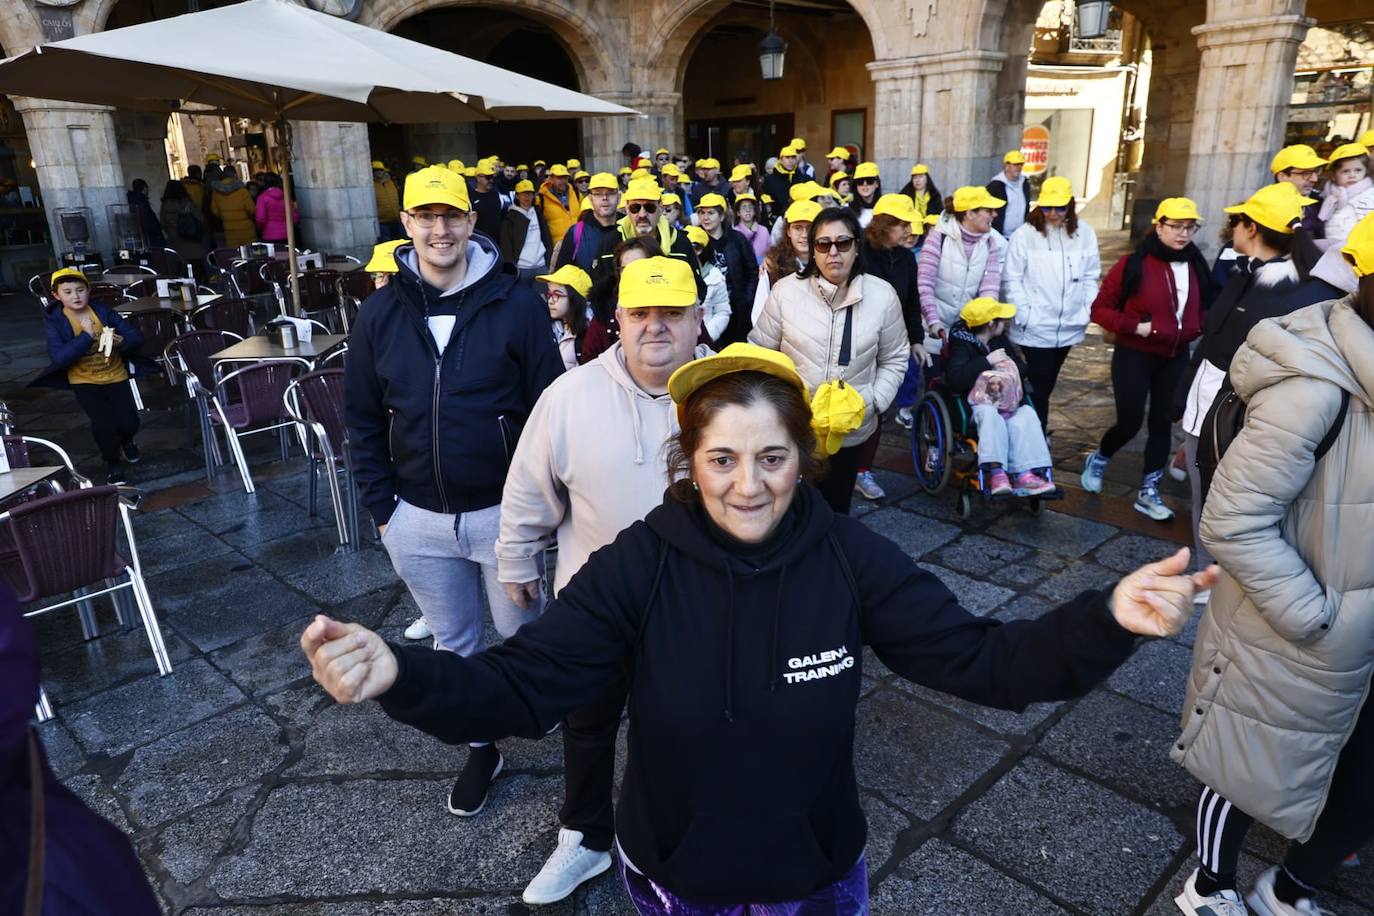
[(898, 267), (735, 257)]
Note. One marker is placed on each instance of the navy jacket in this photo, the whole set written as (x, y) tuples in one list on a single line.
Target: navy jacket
[(733, 254), (898, 268), (439, 430), (66, 347), (744, 675)]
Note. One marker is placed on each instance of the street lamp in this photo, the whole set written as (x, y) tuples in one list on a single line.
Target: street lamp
[(1092, 17), (772, 50)]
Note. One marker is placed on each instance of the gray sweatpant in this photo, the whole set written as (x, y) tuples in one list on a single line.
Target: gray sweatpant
[(446, 561)]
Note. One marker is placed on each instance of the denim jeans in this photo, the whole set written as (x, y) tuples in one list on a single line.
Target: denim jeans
[(1016, 443)]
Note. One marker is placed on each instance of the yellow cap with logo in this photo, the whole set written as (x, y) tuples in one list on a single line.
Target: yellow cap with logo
[(383, 260), (643, 189), (657, 282), (1297, 156), (1055, 192), (973, 197), (524, 185), (866, 170), (570, 275), (1177, 208), (671, 170), (798, 144), (574, 164), (485, 168), (67, 274), (710, 162), (1359, 247), (1277, 206), (738, 357), (711, 200), (787, 151), (436, 185), (805, 190), (920, 168), (603, 181), (978, 312), (803, 211), (641, 174)]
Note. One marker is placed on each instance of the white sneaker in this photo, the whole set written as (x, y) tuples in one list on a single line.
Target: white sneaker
[(866, 485), (904, 417), (569, 866), (1222, 903), (419, 629), (1264, 903), (1200, 598)]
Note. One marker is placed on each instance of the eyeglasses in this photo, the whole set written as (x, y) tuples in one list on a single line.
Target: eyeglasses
[(426, 219), (1180, 228), (842, 245), (636, 207), (554, 295)]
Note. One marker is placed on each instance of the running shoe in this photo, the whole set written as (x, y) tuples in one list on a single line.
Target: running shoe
[(419, 629), (130, 452), (1094, 466), (570, 865), (904, 419), (867, 487), (1264, 902), (1029, 483), (1149, 502), (998, 484), (1222, 903)]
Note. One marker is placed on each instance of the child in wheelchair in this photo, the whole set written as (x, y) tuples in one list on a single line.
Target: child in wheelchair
[(984, 366)]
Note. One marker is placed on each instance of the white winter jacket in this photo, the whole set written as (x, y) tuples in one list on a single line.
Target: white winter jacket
[(716, 306), (1339, 226), (1052, 279)]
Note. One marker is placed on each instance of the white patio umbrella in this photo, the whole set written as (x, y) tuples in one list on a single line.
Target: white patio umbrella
[(274, 61)]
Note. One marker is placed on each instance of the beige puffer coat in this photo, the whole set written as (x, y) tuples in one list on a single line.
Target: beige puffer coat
[(1283, 656), (800, 320)]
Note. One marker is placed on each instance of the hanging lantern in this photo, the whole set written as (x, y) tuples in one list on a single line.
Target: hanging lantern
[(1091, 17), (772, 50)]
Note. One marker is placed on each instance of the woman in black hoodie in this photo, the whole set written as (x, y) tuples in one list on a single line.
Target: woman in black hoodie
[(740, 608)]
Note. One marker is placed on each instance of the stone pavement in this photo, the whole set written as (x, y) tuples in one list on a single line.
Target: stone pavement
[(247, 791)]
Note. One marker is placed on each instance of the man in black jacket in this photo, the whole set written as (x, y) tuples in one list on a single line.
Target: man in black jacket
[(1010, 185), (733, 254), (590, 241), (445, 363)]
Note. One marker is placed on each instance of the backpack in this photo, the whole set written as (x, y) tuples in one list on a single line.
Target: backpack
[(188, 226), (1223, 423)]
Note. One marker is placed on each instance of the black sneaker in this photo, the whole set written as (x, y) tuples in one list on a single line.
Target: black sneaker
[(470, 792), (130, 452), (115, 474)]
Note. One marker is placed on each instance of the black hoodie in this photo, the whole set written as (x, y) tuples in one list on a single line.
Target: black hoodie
[(739, 782)]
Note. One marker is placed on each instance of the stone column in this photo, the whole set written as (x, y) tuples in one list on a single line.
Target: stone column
[(660, 124), (1244, 86), (1168, 123), (897, 129), (333, 185), (959, 97), (74, 150)]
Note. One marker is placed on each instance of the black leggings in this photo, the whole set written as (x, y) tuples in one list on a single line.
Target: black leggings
[(837, 486), (589, 734), (1346, 822), (1042, 372), (1136, 377), (114, 417)]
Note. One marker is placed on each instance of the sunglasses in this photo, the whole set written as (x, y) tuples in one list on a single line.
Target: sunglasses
[(636, 207), (842, 245), (867, 180), (1063, 209)]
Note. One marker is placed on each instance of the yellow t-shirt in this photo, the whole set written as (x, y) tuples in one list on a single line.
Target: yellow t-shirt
[(95, 368)]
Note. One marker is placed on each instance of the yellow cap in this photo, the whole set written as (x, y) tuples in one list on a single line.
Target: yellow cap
[(1055, 192), (574, 164), (436, 185), (418, 160), (559, 169), (377, 166), (978, 312), (69, 274), (1359, 247), (457, 165), (539, 162), (672, 170), (838, 152), (798, 144), (484, 168), (971, 197), (469, 172), (570, 275), (213, 157), (699, 163), (670, 199), (787, 151), (643, 189), (738, 357), (803, 211), (1177, 208), (383, 260), (662, 152), (866, 170), (1348, 151), (1366, 139), (836, 176), (1277, 206), (522, 167), (586, 205), (740, 173), (899, 206), (767, 198), (747, 195), (580, 175), (711, 200), (805, 190), (697, 235), (932, 219), (710, 162), (1014, 157), (641, 174), (657, 282), (1298, 156), (920, 168), (624, 170), (836, 411), (524, 185), (603, 181)]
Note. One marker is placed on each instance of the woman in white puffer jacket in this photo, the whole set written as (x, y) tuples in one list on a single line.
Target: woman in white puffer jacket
[(1051, 275)]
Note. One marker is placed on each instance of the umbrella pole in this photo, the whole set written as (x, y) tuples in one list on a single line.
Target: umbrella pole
[(284, 143)]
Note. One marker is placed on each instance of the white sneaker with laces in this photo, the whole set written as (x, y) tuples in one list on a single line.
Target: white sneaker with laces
[(1265, 903), (904, 419), (866, 485), (569, 866), (1222, 903), (419, 629)]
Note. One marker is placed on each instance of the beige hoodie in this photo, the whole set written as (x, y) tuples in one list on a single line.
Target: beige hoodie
[(592, 460)]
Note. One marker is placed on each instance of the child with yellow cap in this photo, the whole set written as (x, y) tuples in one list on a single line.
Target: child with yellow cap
[(565, 291), (1349, 195)]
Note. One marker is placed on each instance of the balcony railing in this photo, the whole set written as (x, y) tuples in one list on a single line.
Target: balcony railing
[(1110, 43)]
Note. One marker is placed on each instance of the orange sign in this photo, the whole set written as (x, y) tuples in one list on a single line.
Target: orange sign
[(1035, 146)]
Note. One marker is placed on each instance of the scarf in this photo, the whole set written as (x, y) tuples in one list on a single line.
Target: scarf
[(1335, 197), (1151, 246)]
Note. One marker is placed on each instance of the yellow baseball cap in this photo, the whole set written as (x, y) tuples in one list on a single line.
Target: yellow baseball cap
[(522, 167), (457, 165), (559, 169), (710, 162), (738, 357), (418, 160), (1014, 157), (383, 260), (866, 170), (899, 206), (643, 189), (836, 176), (767, 198), (469, 172), (523, 186), (697, 235), (69, 274), (640, 174), (1348, 151), (662, 152), (805, 190), (435, 184), (1297, 156), (670, 199), (803, 211), (484, 168), (711, 200), (1277, 206), (538, 162), (378, 166), (978, 312), (213, 157), (787, 151), (971, 197), (1177, 208), (671, 169), (932, 219), (1359, 247), (657, 282), (747, 195), (570, 275), (836, 411), (699, 163), (838, 152), (1366, 139), (1056, 192), (920, 168), (798, 144), (580, 175), (740, 173), (603, 181), (624, 170), (574, 164), (586, 205)]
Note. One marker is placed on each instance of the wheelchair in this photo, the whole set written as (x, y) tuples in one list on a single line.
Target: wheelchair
[(944, 450)]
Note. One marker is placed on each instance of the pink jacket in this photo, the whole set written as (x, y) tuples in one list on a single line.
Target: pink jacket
[(271, 214)]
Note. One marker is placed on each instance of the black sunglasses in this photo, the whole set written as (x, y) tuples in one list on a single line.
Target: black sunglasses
[(866, 180), (842, 245), (647, 208)]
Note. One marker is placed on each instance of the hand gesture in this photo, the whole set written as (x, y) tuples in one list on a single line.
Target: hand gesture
[(1157, 599), (349, 661), (919, 354), (87, 325), (522, 594), (1144, 329), (938, 330)]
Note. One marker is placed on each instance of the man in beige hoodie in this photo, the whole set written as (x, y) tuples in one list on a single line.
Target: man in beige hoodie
[(591, 462)]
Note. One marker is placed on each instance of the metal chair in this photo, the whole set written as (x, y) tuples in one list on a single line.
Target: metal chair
[(336, 357), (221, 259), (106, 294), (316, 402), (189, 355), (141, 288), (131, 268), (38, 288), (320, 295), (68, 542), (247, 282), (158, 329), (260, 405), (225, 314), (340, 259)]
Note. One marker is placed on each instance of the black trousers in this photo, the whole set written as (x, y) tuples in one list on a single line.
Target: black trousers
[(114, 418), (837, 486), (1042, 372), (589, 734), (1136, 378)]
